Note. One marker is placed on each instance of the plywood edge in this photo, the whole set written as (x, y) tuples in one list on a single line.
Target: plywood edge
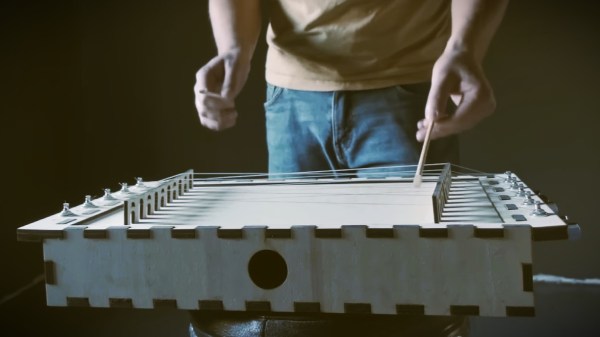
[(34, 235)]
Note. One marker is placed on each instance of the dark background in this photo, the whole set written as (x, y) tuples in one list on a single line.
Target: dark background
[(96, 92)]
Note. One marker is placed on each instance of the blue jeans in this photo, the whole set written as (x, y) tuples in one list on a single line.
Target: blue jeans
[(340, 130)]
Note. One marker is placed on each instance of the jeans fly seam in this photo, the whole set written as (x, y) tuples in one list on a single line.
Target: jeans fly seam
[(334, 129)]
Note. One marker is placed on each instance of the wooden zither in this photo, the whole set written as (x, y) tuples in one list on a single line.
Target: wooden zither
[(372, 243)]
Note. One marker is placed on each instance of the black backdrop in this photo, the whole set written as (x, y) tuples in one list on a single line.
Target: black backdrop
[(95, 92)]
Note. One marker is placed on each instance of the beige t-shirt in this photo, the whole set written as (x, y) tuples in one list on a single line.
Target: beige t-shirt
[(327, 45)]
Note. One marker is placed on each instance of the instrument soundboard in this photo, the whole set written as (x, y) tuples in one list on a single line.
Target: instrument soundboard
[(459, 244)]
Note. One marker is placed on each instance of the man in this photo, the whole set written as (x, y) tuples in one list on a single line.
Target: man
[(352, 84)]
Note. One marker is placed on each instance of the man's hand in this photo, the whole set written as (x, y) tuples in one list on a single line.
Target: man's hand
[(457, 76), (217, 85)]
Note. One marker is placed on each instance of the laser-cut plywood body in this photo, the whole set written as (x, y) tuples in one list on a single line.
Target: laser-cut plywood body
[(347, 245)]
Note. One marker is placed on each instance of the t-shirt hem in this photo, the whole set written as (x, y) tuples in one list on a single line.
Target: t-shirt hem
[(297, 83)]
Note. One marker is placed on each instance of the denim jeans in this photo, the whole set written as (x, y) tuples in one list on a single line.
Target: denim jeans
[(341, 130)]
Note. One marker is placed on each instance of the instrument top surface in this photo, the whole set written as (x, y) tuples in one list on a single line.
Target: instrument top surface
[(329, 203)]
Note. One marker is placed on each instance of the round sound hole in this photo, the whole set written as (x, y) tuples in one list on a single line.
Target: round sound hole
[(267, 269)]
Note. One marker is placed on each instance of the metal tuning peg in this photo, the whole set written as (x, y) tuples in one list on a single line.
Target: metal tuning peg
[(124, 188), (509, 176), (514, 185), (107, 196), (528, 199), (549, 203), (140, 186), (538, 211), (139, 183), (521, 192), (66, 211), (88, 202)]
